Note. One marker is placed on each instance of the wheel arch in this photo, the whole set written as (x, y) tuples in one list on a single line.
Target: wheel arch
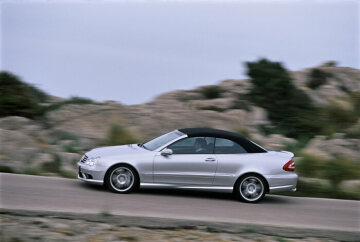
[(267, 188), (118, 164)]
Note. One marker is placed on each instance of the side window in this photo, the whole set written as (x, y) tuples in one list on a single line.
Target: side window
[(193, 145), (226, 146)]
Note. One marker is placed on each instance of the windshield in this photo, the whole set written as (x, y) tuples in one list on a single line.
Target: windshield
[(162, 140)]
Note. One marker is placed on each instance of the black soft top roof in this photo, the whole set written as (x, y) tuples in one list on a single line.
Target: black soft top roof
[(249, 146)]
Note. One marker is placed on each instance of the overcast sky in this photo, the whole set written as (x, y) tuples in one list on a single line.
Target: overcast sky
[(133, 51)]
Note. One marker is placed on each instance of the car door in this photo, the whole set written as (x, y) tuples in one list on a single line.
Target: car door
[(231, 158), (189, 164)]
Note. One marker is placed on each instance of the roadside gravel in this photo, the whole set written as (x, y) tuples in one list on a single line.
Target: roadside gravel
[(21, 225)]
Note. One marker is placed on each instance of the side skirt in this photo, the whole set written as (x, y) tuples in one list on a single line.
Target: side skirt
[(186, 187)]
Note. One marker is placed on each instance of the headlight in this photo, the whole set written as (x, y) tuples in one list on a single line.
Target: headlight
[(92, 161)]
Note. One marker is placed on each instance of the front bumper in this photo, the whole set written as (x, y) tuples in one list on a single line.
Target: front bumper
[(90, 174), (282, 182)]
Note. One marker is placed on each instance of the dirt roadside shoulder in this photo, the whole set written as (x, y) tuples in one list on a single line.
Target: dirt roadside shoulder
[(53, 225)]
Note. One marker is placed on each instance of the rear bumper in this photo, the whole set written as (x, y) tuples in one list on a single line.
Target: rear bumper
[(286, 188), (282, 182)]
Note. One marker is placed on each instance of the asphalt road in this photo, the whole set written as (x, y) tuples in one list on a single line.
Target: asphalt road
[(67, 195)]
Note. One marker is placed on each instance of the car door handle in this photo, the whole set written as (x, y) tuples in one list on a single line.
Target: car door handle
[(210, 159)]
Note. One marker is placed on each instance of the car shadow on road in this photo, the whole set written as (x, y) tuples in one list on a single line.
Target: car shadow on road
[(271, 199), (91, 186), (268, 199)]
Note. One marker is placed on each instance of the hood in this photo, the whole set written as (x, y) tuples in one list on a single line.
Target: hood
[(116, 150)]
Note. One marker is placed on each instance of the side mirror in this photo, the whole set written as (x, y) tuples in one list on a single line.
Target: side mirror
[(166, 152)]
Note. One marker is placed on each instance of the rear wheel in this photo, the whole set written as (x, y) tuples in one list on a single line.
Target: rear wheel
[(122, 179), (250, 188)]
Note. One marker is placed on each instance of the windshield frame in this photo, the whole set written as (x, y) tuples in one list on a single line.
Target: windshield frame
[(181, 136)]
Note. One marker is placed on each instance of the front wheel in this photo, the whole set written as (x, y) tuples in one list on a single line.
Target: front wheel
[(122, 179), (250, 188)]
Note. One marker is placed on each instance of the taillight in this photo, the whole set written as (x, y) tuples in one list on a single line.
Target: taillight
[(289, 166)]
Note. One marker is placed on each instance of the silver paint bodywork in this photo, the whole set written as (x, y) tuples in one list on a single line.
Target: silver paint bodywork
[(192, 171)]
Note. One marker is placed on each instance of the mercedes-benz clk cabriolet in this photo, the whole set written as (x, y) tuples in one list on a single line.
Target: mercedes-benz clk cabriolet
[(192, 158)]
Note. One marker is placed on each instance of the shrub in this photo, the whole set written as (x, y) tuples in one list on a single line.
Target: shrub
[(72, 100), (296, 147), (317, 189), (280, 239), (240, 103), (335, 170), (244, 132), (66, 136), (18, 98), (338, 170), (105, 213), (118, 135), (211, 92), (289, 108), (355, 101), (68, 174), (330, 63), (353, 132), (70, 148), (311, 189), (79, 100), (309, 166), (212, 108), (53, 166), (33, 171), (317, 78), (6, 169), (339, 117)]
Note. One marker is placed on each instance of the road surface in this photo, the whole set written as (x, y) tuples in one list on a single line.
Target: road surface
[(68, 195)]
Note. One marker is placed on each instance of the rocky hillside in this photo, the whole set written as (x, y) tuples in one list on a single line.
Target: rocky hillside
[(55, 142)]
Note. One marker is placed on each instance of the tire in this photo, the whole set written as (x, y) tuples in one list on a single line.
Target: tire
[(250, 188), (122, 179)]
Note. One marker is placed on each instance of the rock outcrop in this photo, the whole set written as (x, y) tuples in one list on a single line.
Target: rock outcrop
[(337, 147)]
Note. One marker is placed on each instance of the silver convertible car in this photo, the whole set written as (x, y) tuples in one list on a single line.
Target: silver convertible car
[(192, 158)]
